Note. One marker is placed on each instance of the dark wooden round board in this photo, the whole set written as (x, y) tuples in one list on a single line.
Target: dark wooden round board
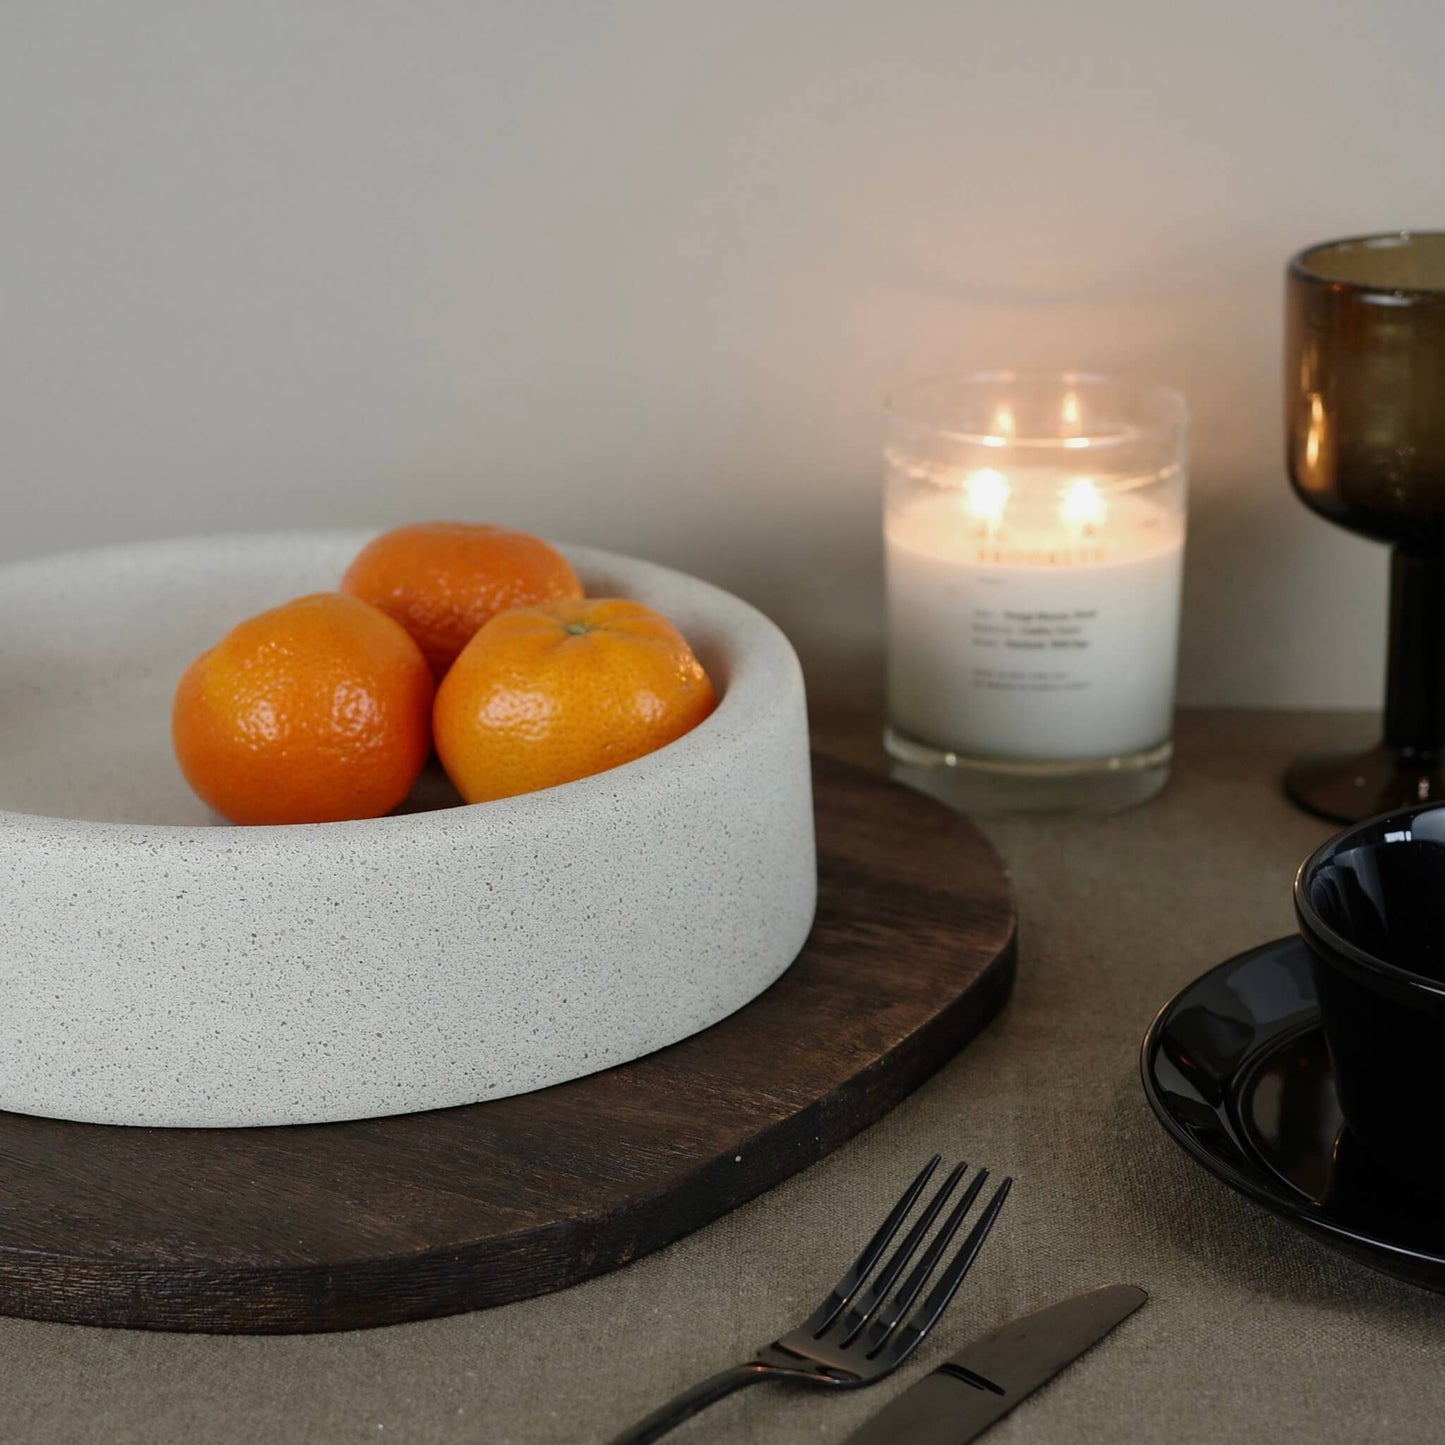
[(338, 1226)]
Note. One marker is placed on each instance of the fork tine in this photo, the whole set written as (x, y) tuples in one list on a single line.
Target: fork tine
[(899, 1306), (941, 1295), (853, 1277), (868, 1302)]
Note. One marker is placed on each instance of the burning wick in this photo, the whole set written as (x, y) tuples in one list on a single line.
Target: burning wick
[(985, 495), (1083, 510)]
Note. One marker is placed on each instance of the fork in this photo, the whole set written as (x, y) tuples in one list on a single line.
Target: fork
[(858, 1336)]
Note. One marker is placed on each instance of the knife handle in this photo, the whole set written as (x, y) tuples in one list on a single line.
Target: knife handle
[(684, 1406)]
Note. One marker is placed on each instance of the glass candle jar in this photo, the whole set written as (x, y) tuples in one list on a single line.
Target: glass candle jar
[(1034, 540)]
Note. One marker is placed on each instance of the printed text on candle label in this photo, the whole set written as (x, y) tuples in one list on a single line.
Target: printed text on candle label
[(1019, 637)]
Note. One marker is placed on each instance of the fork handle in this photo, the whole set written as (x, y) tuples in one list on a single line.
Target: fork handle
[(684, 1406)]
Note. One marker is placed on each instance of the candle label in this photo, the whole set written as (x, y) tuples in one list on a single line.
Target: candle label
[(1028, 648)]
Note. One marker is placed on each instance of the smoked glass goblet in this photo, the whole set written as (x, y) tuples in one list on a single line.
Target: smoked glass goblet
[(1365, 438)]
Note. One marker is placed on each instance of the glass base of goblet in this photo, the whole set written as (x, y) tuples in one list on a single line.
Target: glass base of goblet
[(987, 787), (1350, 786)]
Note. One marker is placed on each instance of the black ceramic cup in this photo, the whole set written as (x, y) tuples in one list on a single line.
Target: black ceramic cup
[(1371, 907)]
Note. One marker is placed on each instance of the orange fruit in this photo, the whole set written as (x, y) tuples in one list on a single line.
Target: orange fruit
[(310, 713), (546, 695), (443, 580)]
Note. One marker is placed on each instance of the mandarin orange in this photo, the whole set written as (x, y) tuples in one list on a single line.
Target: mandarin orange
[(545, 695), (313, 712), (443, 580)]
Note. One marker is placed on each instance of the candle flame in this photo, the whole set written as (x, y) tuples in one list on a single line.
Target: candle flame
[(1083, 509), (986, 494), (1072, 410)]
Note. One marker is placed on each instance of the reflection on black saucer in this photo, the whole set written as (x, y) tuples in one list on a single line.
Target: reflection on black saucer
[(1237, 1070), (1291, 1115)]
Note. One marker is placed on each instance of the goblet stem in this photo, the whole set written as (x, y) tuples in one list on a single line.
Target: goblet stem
[(1415, 679), (1409, 766)]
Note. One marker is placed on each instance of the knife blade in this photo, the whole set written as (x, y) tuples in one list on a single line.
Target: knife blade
[(986, 1379)]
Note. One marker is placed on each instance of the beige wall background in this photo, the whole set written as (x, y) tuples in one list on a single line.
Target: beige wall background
[(638, 274)]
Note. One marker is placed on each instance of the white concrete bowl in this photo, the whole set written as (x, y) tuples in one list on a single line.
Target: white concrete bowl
[(158, 969)]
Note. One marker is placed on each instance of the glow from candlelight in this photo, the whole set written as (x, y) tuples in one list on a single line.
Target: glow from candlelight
[(1004, 425), (1083, 509), (986, 494), (1316, 431), (1073, 413)]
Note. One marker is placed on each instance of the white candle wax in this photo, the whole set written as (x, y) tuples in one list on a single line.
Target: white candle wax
[(1029, 619)]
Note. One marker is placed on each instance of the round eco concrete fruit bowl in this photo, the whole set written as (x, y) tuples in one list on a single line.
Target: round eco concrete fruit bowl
[(156, 968)]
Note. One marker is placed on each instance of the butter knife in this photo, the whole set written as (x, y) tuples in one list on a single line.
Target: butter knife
[(986, 1379)]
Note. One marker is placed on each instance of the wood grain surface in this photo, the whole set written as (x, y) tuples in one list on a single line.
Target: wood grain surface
[(341, 1226)]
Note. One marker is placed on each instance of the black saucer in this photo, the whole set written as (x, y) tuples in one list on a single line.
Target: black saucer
[(1235, 1067)]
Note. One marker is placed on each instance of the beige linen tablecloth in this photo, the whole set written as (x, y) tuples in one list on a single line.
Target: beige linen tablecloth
[(1253, 1333)]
